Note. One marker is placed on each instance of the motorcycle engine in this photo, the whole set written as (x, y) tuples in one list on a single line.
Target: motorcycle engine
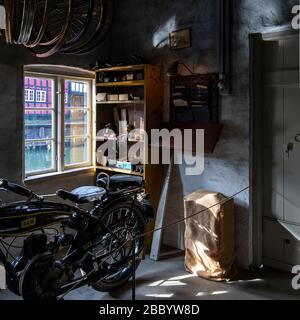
[(38, 276), (34, 244)]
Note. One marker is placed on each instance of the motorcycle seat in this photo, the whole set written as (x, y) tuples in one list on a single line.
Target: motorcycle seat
[(82, 195), (120, 182)]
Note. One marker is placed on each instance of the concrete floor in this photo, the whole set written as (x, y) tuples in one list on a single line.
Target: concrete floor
[(167, 279)]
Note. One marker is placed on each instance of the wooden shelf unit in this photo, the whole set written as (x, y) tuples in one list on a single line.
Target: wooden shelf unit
[(147, 112)]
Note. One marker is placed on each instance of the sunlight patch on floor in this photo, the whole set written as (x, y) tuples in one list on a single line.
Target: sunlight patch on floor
[(214, 293), (174, 281), (160, 295)]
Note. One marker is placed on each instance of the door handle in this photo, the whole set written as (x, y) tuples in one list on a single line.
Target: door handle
[(297, 137), (289, 148)]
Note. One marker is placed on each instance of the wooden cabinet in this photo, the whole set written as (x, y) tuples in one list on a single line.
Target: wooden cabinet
[(131, 94)]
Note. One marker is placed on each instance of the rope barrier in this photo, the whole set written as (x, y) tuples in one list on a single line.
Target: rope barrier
[(194, 214)]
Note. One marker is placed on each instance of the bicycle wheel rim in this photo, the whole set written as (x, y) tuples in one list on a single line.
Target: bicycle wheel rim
[(85, 42), (50, 51), (41, 29), (9, 7), (50, 37), (86, 23), (107, 24)]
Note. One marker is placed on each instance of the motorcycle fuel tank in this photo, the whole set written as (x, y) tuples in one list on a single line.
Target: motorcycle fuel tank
[(19, 218)]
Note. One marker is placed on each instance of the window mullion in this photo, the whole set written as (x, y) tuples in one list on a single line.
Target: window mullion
[(60, 123)]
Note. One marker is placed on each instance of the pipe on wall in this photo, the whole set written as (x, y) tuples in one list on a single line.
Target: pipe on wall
[(225, 58)]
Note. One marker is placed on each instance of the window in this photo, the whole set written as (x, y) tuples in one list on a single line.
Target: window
[(29, 95), (41, 95), (55, 143), (77, 124)]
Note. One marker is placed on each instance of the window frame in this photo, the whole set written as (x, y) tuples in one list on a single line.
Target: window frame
[(90, 122), (59, 124), (54, 127)]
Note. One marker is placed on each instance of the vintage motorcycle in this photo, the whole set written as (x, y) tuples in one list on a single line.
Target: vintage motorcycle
[(65, 246)]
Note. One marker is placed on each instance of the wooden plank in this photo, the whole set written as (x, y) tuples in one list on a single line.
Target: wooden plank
[(135, 67), (135, 83), (117, 170), (160, 217), (133, 102)]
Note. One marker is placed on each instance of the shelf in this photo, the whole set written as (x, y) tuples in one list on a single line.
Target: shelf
[(122, 102), (136, 67), (116, 139), (134, 83), (120, 171)]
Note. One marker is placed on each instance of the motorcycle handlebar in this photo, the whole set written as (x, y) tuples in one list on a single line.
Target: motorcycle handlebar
[(20, 190)]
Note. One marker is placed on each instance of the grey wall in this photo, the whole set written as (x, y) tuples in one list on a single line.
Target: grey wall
[(140, 25)]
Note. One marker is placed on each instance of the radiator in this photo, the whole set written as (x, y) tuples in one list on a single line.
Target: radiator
[(2, 278)]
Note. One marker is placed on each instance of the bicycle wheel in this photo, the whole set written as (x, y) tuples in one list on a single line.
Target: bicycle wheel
[(40, 23), (9, 12), (104, 31), (58, 14), (82, 17), (29, 9), (91, 33), (18, 20), (47, 51), (125, 223)]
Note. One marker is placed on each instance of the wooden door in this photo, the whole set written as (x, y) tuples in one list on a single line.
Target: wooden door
[(281, 153)]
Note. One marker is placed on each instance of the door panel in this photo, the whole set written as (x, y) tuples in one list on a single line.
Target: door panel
[(273, 156), (292, 160), (281, 119), (273, 244)]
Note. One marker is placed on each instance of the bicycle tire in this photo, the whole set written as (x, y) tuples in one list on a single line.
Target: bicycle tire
[(9, 7), (107, 25), (48, 38), (47, 52), (98, 10), (28, 14), (41, 29), (17, 21), (30, 21), (86, 23)]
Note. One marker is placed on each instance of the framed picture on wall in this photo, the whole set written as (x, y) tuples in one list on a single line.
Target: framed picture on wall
[(180, 39)]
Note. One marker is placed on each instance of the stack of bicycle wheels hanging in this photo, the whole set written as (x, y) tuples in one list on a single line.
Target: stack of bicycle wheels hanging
[(46, 27)]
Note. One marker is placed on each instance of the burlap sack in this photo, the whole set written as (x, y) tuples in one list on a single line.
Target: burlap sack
[(209, 236)]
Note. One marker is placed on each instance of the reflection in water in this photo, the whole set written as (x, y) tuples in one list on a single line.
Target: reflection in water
[(40, 157)]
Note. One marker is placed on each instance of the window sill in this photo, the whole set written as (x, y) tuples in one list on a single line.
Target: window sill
[(70, 172)]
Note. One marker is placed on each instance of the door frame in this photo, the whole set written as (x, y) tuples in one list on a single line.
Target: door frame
[(256, 125)]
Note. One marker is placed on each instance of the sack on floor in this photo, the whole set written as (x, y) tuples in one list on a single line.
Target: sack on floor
[(209, 236)]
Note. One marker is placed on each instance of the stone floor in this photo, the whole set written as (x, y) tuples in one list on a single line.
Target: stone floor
[(167, 279)]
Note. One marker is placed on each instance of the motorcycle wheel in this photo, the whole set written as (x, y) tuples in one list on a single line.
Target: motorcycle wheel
[(118, 220)]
